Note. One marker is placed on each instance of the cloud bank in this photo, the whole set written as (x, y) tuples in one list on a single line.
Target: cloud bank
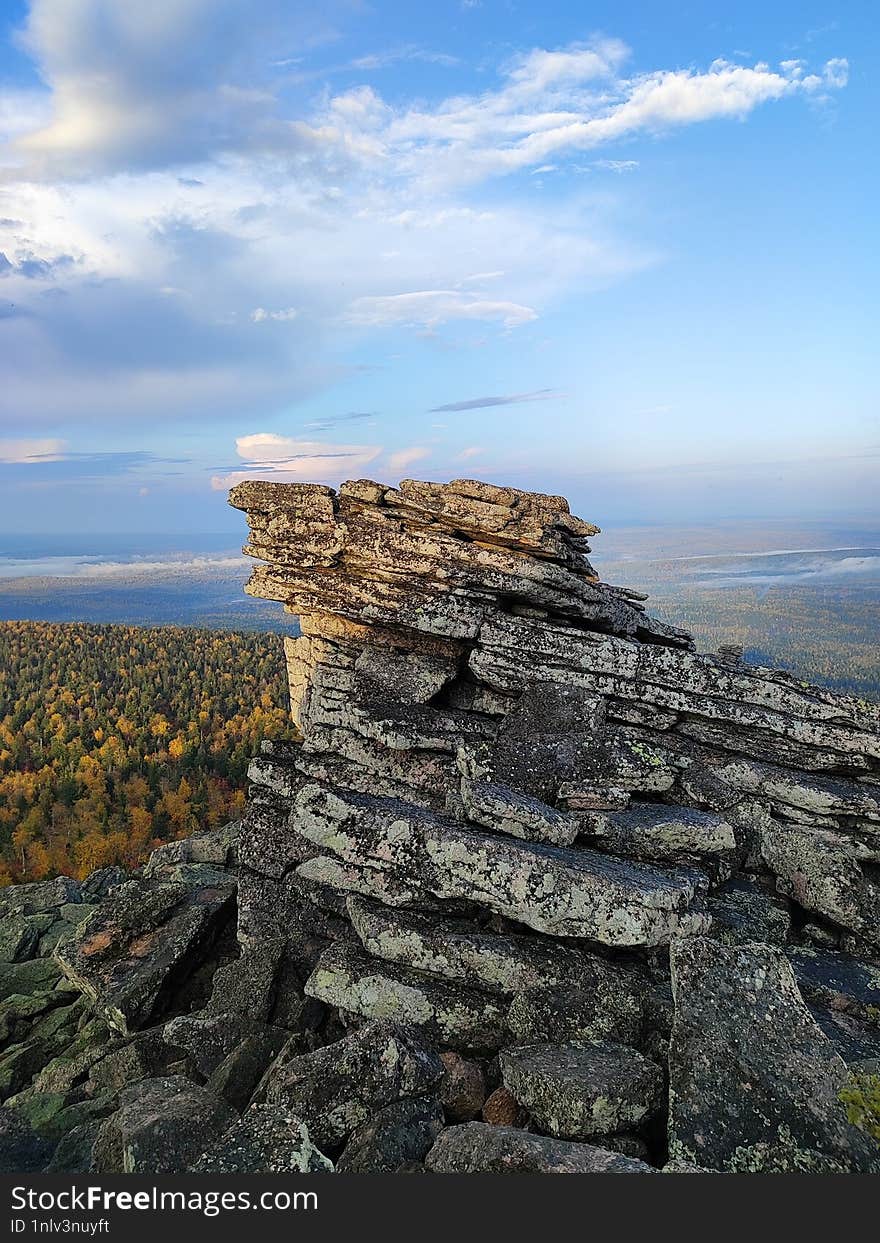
[(197, 235)]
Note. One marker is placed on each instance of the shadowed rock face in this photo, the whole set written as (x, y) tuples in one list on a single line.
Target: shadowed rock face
[(530, 865)]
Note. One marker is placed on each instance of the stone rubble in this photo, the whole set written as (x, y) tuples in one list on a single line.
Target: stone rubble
[(535, 887)]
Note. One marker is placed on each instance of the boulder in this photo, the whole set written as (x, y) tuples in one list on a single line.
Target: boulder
[(142, 942), (575, 1091), (337, 1088), (501, 1108), (398, 1135), (754, 1085), (475, 1148), (266, 1139), (207, 1040), (161, 1127)]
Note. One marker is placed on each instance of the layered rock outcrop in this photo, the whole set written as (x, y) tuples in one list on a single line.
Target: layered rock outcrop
[(534, 887), (514, 790)]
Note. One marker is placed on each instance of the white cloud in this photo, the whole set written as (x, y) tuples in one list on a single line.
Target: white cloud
[(32, 451), (470, 452), (164, 202), (259, 314), (147, 85), (285, 459), (549, 107), (405, 457), (540, 70), (431, 307)]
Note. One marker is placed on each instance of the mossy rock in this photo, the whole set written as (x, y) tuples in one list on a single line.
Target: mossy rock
[(35, 975), (53, 1114)]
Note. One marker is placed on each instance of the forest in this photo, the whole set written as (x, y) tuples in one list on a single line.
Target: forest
[(825, 635), (114, 739)]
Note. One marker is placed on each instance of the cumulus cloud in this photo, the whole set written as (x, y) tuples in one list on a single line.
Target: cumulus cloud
[(154, 206), (148, 85), (287, 460)]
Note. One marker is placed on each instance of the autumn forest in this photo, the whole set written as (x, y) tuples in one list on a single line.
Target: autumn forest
[(116, 738)]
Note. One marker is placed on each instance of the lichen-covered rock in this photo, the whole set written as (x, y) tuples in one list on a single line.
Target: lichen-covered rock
[(218, 847), (157, 1125), (754, 1085), (608, 1007), (42, 1028), (505, 763), (160, 1127), (264, 1140), (575, 1091), (143, 941), (207, 1040), (742, 911), (247, 985), (558, 890), (676, 835), (826, 871), (398, 1135), (475, 1148), (457, 949), (236, 1078), (455, 1013), (337, 1088), (510, 791)]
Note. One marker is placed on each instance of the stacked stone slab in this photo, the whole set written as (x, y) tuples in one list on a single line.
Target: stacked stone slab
[(513, 789)]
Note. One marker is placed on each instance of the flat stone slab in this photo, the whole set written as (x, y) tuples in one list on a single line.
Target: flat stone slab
[(456, 1013), (662, 834), (563, 891), (578, 1090), (742, 911), (837, 980), (461, 950), (478, 1148), (142, 940), (505, 810)]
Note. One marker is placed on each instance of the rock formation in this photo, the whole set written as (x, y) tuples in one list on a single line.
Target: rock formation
[(536, 887)]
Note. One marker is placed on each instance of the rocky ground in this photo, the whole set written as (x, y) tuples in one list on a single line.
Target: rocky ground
[(539, 889)]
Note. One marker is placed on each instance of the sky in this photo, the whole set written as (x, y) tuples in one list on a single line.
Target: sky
[(623, 251)]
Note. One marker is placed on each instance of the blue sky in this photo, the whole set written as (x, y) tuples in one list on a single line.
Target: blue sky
[(627, 252)]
